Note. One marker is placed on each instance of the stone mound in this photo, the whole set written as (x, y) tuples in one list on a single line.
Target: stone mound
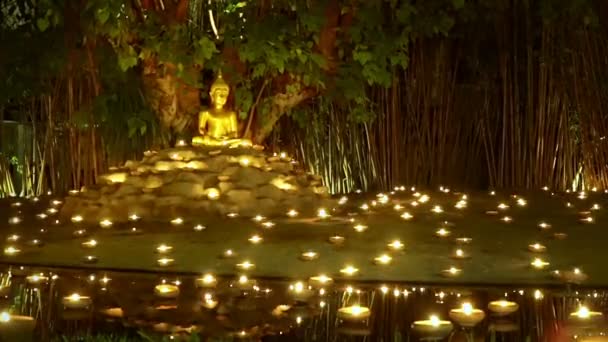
[(193, 182)]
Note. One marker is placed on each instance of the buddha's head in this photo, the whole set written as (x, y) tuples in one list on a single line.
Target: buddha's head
[(219, 91)]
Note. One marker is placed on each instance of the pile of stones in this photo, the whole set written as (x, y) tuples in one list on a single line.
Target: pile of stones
[(198, 181)]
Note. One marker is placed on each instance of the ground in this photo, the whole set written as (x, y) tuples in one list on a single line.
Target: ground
[(499, 254)]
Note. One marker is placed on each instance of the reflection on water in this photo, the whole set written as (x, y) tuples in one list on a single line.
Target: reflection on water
[(48, 303)]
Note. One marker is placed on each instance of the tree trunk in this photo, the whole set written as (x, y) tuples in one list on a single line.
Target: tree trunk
[(175, 102)]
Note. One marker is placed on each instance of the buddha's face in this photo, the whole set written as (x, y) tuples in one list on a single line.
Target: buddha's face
[(219, 97)]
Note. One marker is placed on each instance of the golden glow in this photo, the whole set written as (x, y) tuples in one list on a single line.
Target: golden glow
[(539, 263), (544, 225), (383, 259), (292, 213), (507, 219), (258, 218), (354, 312), (521, 202), (162, 248), (322, 213), (213, 194), (165, 261), (349, 270), (360, 228), (13, 238), (437, 209), (229, 253), (442, 232), (105, 223), (76, 218), (89, 243), (309, 255), (336, 239), (10, 250), (503, 206), (396, 245), (537, 247), (268, 224), (245, 265), (407, 216), (343, 200), (177, 221), (255, 239), (321, 279)]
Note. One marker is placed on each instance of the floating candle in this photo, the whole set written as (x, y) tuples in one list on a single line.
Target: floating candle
[(349, 270), (467, 315), (360, 228), (383, 259), (460, 254), (537, 248), (255, 239), (503, 307), (539, 263), (166, 290), (354, 313), (292, 213), (208, 280), (11, 250), (76, 301), (309, 255), (164, 262), (245, 265), (162, 249), (396, 245), (89, 243), (442, 232), (451, 272), (336, 240), (106, 223)]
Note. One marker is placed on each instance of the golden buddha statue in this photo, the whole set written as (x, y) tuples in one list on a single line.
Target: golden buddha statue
[(218, 126)]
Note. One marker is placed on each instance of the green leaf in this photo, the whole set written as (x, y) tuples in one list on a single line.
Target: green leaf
[(102, 15), (458, 4), (126, 62), (42, 23)]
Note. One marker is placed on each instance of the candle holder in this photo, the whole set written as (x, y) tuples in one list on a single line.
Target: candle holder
[(354, 313), (433, 328), (503, 307), (76, 301), (166, 290), (467, 316)]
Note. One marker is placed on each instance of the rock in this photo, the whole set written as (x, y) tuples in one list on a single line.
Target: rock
[(196, 165), (165, 201), (281, 167), (269, 191), (153, 182), (240, 197), (218, 163), (136, 181), (248, 177), (207, 180), (225, 186), (164, 166), (125, 190), (186, 189), (230, 171), (182, 154)]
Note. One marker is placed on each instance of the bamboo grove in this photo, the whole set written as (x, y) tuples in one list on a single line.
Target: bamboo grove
[(501, 94)]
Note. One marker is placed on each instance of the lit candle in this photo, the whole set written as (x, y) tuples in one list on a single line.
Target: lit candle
[(134, 217), (537, 248), (89, 259), (13, 238), (36, 279), (300, 292), (407, 216), (77, 219), (245, 265), (255, 239), (360, 228), (349, 270), (442, 232), (309, 255), (437, 209), (166, 290), (354, 313), (434, 327), (583, 313), (503, 206), (229, 253), (544, 225), (177, 221), (89, 244), (336, 240), (451, 272), (383, 259), (165, 262), (521, 202), (587, 219), (396, 245), (76, 301), (268, 224), (11, 250), (206, 281), (214, 194), (162, 249), (460, 254), (507, 219), (503, 307), (320, 280), (467, 315), (292, 213), (463, 240), (199, 227), (105, 223), (322, 213), (539, 263)]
